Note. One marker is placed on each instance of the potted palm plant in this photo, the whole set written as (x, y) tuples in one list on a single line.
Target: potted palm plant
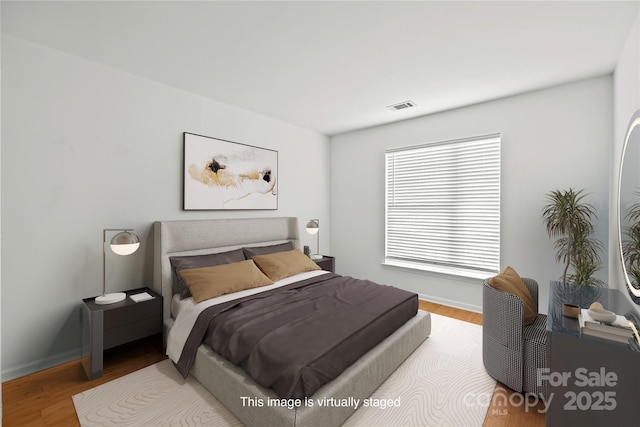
[(569, 218), (631, 245)]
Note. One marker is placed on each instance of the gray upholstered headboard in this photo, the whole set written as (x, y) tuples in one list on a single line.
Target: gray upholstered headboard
[(197, 237)]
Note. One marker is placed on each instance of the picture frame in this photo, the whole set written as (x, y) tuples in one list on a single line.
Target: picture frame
[(226, 175)]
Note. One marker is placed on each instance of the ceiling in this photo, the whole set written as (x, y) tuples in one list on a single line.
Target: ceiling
[(334, 66)]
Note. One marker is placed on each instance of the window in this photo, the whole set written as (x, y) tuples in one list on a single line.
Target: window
[(443, 206)]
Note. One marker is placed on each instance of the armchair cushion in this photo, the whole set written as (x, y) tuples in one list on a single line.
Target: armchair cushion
[(509, 281)]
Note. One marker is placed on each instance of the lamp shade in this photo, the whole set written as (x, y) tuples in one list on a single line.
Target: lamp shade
[(313, 226), (125, 243)]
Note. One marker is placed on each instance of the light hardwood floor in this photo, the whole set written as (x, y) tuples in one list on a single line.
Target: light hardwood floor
[(44, 398)]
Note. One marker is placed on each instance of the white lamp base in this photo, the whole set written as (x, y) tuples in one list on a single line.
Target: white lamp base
[(111, 298), (316, 256)]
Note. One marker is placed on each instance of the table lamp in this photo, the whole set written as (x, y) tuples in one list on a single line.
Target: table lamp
[(124, 243), (313, 227)]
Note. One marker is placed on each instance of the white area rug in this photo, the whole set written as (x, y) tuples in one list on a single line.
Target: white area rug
[(443, 383)]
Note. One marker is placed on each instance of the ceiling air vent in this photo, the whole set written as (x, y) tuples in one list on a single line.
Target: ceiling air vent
[(401, 106)]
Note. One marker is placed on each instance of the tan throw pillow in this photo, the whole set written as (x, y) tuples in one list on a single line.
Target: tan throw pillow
[(209, 282), (509, 281), (280, 265)]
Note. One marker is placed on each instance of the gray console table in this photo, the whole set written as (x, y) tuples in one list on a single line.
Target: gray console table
[(591, 381), (111, 325)]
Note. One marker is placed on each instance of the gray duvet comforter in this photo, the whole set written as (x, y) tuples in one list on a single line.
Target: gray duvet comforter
[(297, 338)]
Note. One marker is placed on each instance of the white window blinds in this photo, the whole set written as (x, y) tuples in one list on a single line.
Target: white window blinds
[(443, 205)]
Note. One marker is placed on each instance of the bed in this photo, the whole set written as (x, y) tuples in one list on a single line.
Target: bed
[(228, 382)]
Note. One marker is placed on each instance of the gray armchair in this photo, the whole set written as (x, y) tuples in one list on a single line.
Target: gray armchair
[(513, 353)]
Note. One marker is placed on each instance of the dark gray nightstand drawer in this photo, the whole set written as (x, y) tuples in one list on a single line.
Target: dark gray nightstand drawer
[(132, 312), (132, 331)]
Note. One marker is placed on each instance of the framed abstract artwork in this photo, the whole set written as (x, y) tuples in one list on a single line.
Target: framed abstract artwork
[(226, 175)]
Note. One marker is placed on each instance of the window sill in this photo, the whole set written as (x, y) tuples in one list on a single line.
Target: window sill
[(451, 271)]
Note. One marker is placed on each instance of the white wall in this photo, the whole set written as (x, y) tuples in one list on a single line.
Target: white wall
[(86, 147), (551, 139), (0, 230), (626, 93)]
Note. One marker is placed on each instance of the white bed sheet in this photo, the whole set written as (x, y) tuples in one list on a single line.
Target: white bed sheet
[(187, 310), (176, 303)]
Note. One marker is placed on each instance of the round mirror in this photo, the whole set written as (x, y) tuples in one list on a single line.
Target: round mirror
[(629, 207)]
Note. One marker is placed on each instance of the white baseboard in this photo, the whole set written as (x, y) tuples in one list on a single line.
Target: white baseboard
[(451, 303), (39, 365)]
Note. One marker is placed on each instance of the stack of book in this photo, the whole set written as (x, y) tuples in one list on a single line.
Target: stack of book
[(618, 330)]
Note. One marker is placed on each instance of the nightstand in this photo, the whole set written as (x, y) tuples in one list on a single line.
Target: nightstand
[(327, 263), (111, 325)]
